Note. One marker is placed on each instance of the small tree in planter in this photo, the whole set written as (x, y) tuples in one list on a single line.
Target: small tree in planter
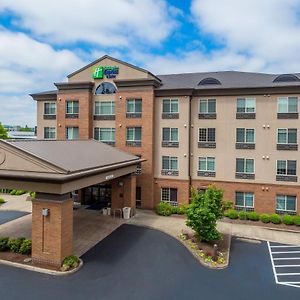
[(203, 213)]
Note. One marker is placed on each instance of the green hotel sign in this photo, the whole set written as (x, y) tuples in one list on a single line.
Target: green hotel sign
[(108, 72)]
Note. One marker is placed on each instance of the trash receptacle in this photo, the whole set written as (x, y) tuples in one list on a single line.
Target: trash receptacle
[(126, 213)]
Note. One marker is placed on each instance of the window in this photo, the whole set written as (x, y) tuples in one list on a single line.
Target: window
[(169, 195), (104, 107), (134, 134), (139, 166), (244, 135), (170, 106), (287, 136), (170, 134), (138, 196), (285, 203), (246, 105), (104, 134), (287, 105), (245, 165), (244, 201), (72, 107), (207, 106), (134, 106), (206, 164), (170, 163), (50, 108), (105, 88), (207, 134), (287, 167), (49, 133), (72, 133)]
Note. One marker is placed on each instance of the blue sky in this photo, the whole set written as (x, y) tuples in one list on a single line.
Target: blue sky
[(41, 42)]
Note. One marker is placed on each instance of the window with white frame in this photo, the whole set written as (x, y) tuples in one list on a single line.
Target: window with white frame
[(170, 106), (207, 106), (287, 105), (245, 135), (244, 200), (170, 163), (134, 106), (170, 134), (104, 134), (286, 203), (50, 108), (72, 133), (133, 134), (49, 133), (104, 108), (207, 134), (72, 107), (206, 164), (246, 105), (287, 167), (245, 165), (169, 195), (287, 136)]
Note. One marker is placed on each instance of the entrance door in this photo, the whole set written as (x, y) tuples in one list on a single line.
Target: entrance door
[(98, 195)]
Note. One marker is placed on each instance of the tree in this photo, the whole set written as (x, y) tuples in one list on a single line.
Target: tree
[(204, 211), (3, 132)]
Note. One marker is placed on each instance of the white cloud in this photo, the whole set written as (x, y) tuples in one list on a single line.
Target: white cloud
[(110, 23)]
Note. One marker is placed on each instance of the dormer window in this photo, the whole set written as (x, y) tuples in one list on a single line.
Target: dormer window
[(209, 81)]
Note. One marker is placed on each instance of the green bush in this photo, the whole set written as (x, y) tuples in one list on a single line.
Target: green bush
[(231, 214), (20, 192), (297, 220), (182, 209), (288, 220), (71, 261), (253, 216), (32, 194), (13, 192), (226, 205), (2, 201), (15, 244), (243, 215), (265, 218), (164, 209), (26, 247), (275, 219), (4, 243), (174, 209)]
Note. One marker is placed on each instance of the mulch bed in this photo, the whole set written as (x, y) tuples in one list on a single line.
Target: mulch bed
[(261, 224)]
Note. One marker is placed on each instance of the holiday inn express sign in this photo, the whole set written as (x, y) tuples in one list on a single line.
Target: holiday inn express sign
[(107, 71)]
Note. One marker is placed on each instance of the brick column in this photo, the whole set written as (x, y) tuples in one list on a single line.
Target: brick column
[(130, 191), (52, 234)]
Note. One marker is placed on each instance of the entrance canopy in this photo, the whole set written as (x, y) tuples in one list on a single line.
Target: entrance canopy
[(59, 167)]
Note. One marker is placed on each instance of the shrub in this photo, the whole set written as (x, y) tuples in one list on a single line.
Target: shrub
[(275, 219), (265, 218), (71, 261), (20, 192), (164, 209), (2, 201), (253, 216), (297, 220), (13, 192), (25, 247), (226, 205), (232, 214), (288, 220), (32, 194), (15, 244), (4, 243), (182, 209), (243, 215), (174, 209)]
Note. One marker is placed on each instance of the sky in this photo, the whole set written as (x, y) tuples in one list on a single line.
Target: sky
[(43, 41)]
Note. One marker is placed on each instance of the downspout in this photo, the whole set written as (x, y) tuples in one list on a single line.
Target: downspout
[(189, 145)]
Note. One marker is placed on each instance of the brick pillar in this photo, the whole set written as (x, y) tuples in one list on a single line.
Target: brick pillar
[(52, 235), (130, 191)]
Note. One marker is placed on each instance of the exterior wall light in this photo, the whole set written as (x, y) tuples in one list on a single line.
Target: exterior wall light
[(45, 212)]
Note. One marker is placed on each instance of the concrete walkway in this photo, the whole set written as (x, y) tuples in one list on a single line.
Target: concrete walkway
[(16, 203)]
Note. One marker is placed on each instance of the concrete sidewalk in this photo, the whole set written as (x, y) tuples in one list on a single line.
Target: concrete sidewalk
[(16, 203)]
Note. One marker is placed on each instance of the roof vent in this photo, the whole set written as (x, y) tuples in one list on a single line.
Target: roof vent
[(286, 78), (209, 80)]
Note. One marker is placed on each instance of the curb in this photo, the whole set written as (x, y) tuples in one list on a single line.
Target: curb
[(41, 270)]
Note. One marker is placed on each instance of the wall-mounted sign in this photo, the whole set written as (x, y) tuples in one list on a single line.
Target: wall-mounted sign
[(108, 72)]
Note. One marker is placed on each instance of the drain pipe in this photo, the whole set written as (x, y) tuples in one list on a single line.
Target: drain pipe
[(189, 144)]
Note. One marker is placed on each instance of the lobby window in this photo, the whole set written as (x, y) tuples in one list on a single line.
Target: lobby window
[(72, 108), (49, 133), (287, 108), (207, 109), (244, 168), (104, 110), (105, 135), (72, 133), (206, 166), (170, 109), (286, 204), (105, 88), (134, 108), (170, 137), (50, 110), (170, 165), (245, 108), (169, 195), (287, 139), (286, 170), (244, 201), (134, 136), (245, 138), (207, 138), (138, 196)]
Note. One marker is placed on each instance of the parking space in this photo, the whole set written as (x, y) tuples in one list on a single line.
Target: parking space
[(286, 263), (7, 216)]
